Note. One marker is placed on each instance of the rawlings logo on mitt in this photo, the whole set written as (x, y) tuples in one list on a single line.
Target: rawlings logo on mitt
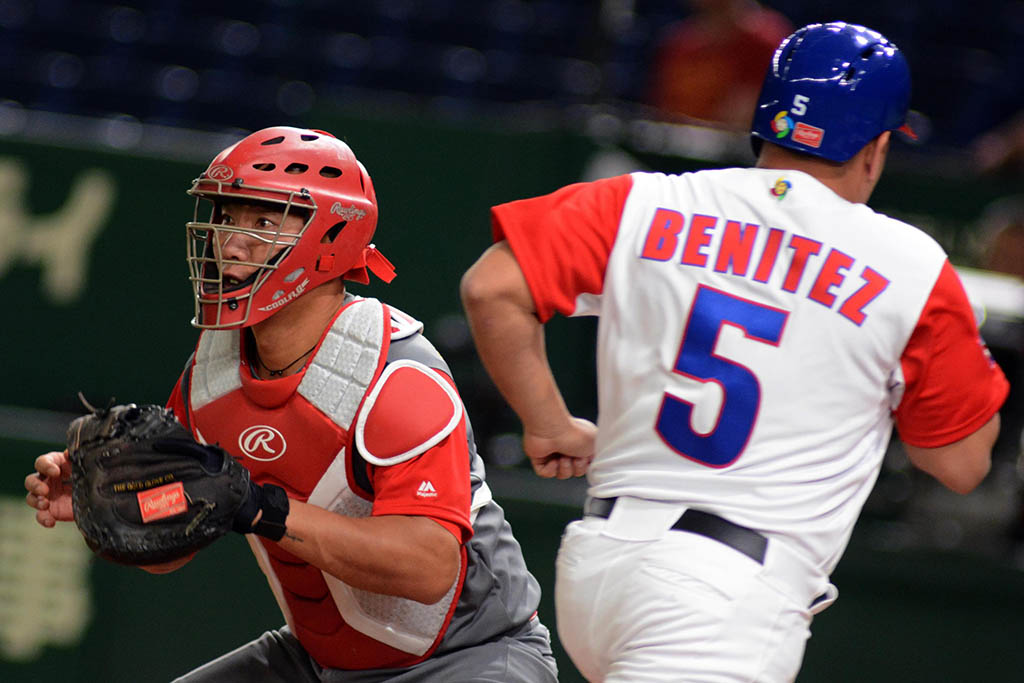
[(145, 492)]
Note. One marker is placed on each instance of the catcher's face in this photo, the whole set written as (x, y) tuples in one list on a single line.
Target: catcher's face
[(249, 236)]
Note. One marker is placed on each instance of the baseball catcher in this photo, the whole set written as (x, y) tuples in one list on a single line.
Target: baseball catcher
[(145, 492), (332, 416)]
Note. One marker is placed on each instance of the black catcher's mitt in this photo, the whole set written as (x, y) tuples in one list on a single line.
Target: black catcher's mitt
[(145, 492)]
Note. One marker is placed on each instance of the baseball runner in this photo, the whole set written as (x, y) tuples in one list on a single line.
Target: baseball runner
[(363, 497), (761, 332)]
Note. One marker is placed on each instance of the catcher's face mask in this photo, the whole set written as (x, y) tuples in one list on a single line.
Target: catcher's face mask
[(302, 176), (234, 253), (251, 238)]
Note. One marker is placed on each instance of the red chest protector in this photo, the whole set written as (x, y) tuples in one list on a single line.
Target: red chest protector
[(298, 432)]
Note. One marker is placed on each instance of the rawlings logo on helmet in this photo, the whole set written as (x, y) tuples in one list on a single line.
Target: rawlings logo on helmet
[(220, 172), (349, 213), (808, 135)]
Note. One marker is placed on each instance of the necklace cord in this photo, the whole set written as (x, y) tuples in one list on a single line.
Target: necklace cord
[(281, 371)]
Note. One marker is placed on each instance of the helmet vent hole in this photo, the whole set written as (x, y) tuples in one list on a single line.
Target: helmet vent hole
[(306, 137), (274, 141), (330, 172), (264, 167), (868, 51), (332, 234), (296, 168), (785, 59), (849, 74)]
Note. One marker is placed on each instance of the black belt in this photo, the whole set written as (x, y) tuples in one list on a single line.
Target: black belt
[(746, 541)]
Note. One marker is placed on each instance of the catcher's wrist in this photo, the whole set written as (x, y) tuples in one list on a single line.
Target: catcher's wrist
[(270, 504), (275, 511)]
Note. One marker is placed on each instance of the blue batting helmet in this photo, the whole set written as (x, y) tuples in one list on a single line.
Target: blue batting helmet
[(831, 89)]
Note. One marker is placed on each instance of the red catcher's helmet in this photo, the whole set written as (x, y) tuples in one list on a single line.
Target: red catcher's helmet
[(295, 170)]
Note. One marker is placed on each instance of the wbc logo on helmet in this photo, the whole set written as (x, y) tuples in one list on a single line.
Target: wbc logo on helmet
[(782, 124)]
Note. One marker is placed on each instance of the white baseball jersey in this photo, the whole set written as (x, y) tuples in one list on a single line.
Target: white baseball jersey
[(758, 338)]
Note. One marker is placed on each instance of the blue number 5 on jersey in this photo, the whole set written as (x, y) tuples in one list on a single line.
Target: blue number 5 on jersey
[(741, 391)]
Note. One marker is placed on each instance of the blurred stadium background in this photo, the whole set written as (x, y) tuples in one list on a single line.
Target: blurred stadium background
[(108, 110)]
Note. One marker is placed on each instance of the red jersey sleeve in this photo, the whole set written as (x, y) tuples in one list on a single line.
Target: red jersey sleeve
[(953, 387), (435, 484), (562, 240), (411, 409)]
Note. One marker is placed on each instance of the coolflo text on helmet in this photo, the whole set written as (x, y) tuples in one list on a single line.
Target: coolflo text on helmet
[(309, 172), (830, 89)]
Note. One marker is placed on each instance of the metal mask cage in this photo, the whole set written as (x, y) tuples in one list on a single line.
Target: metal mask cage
[(203, 248)]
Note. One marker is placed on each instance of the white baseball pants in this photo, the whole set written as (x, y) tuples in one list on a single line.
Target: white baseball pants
[(638, 603)]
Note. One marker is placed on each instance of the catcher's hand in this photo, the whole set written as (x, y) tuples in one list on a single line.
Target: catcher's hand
[(144, 492)]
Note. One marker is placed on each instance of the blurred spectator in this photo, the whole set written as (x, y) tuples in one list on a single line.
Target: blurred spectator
[(710, 65), (1002, 235), (1001, 242), (1001, 150)]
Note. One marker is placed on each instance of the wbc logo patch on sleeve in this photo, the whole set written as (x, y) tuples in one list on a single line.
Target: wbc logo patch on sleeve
[(163, 501)]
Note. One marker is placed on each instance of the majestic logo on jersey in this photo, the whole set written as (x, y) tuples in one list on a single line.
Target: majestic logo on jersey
[(780, 188), (782, 124), (426, 490), (262, 442), (220, 172)]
